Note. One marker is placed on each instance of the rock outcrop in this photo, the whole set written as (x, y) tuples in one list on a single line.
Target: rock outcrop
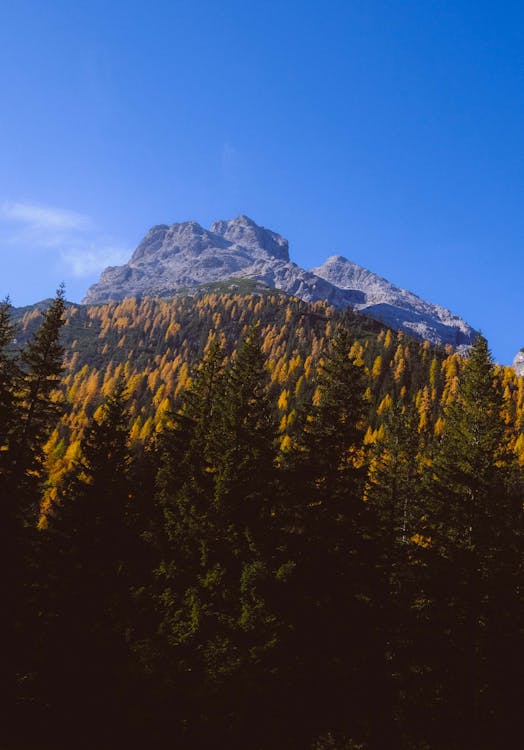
[(397, 307), (181, 257), (518, 362)]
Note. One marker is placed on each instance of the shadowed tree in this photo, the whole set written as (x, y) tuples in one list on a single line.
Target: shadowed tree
[(30, 411), (392, 522), (475, 530), (221, 566), (333, 649), (89, 553), (9, 381)]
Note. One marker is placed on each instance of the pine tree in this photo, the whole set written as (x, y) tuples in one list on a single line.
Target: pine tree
[(329, 603), (250, 560), (88, 556), (392, 522), (180, 538), (11, 533), (31, 413), (475, 519), (393, 485), (9, 380), (334, 429), (216, 600), (472, 449), (245, 445), (184, 482), (42, 364)]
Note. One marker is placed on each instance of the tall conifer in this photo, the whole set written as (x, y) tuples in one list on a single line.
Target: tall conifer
[(220, 567), (31, 412), (88, 555), (474, 525), (9, 380), (328, 607), (42, 365)]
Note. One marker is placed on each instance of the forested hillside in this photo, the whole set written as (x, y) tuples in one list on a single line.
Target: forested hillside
[(238, 520)]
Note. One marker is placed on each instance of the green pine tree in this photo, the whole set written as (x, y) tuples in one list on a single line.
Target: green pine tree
[(180, 538), (332, 650), (9, 381), (392, 520), (89, 557), (31, 413), (42, 365), (222, 567), (475, 520), (244, 439)]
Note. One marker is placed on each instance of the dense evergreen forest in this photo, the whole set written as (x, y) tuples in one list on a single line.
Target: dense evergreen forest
[(241, 521)]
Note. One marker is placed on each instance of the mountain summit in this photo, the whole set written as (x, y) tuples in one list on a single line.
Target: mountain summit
[(518, 363), (183, 256), (395, 306)]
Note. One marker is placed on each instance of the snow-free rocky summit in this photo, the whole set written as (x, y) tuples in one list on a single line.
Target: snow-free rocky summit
[(182, 257)]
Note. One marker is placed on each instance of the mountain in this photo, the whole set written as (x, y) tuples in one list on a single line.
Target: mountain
[(518, 362), (184, 256), (396, 307)]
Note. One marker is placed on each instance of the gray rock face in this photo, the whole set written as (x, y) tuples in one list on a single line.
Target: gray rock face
[(397, 307), (176, 258), (183, 256), (518, 363), (243, 232)]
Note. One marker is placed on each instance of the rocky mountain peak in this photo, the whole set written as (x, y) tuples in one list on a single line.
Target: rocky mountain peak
[(395, 306), (189, 237), (163, 241), (184, 256), (518, 362), (151, 242), (245, 232)]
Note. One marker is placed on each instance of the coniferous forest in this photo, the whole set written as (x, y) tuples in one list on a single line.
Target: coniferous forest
[(241, 521)]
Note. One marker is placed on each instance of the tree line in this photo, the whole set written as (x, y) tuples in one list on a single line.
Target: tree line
[(357, 585)]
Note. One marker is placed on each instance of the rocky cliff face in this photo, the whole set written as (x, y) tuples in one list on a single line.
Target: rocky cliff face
[(396, 307), (172, 259), (518, 363), (183, 256)]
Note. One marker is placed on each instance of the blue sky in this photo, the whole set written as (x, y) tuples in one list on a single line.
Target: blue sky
[(388, 132)]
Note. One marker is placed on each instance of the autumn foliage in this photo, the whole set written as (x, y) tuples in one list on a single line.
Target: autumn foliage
[(244, 521)]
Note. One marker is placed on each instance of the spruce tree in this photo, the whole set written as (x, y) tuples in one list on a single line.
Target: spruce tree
[(334, 428), (252, 563), (9, 381), (244, 439), (392, 522), (11, 538), (329, 606), (468, 467), (88, 556), (31, 412), (475, 519), (218, 584), (180, 540), (392, 480), (42, 365)]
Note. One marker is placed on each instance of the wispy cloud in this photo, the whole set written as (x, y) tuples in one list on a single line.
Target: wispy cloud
[(83, 261), (43, 217), (71, 237)]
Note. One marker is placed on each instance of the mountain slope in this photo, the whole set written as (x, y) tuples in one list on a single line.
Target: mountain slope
[(396, 307), (182, 257), (518, 362)]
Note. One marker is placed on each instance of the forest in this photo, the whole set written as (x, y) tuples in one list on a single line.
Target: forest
[(243, 521)]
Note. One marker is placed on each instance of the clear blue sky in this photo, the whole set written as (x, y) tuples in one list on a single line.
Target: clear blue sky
[(388, 132)]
